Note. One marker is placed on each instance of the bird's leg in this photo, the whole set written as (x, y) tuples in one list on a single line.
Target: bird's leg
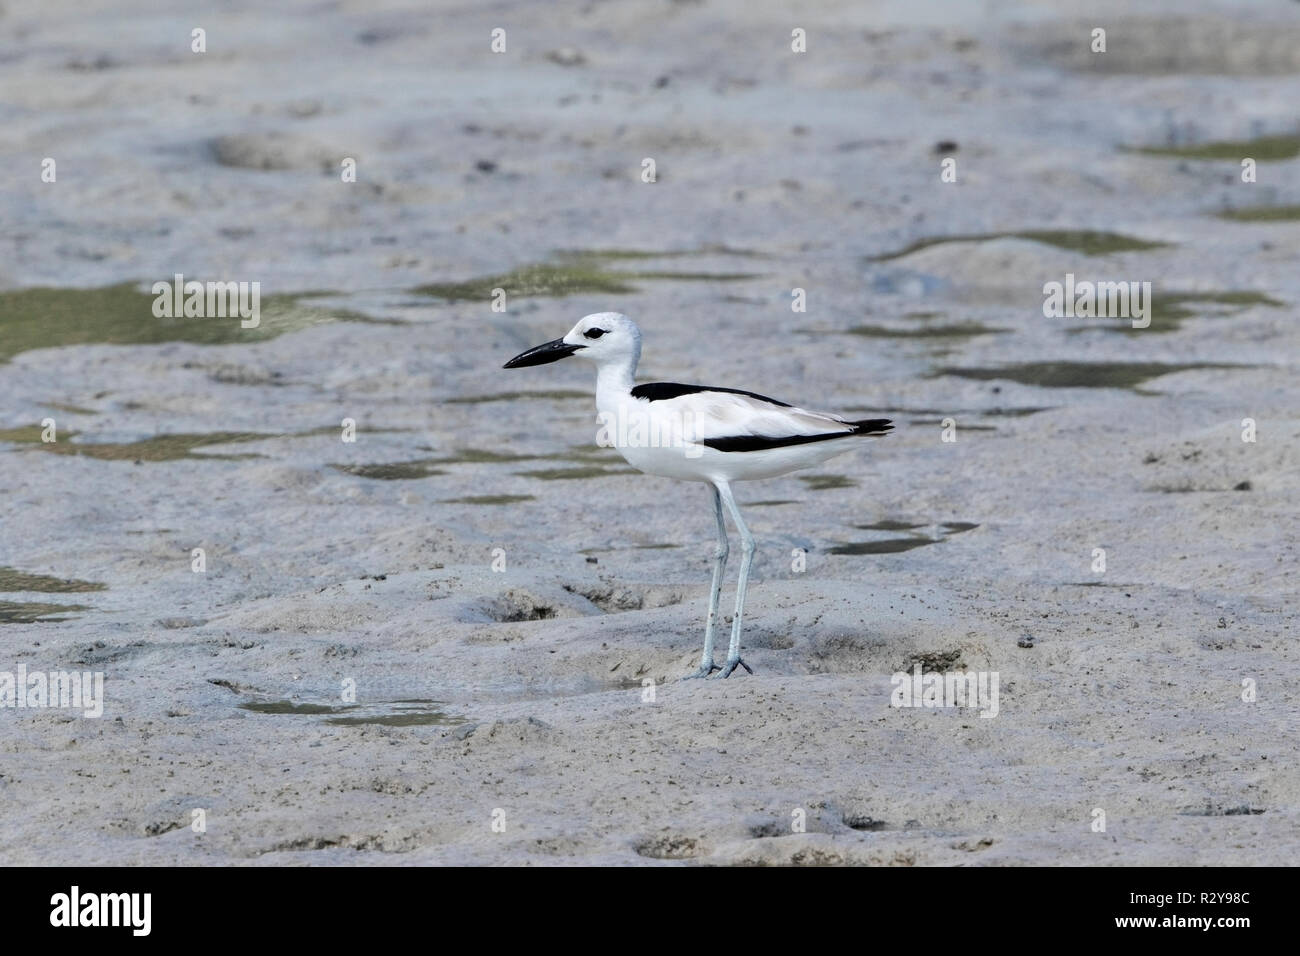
[(747, 558), (720, 552)]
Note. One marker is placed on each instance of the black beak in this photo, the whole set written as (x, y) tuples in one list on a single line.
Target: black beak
[(550, 352)]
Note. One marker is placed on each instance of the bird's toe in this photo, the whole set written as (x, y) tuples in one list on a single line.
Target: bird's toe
[(704, 671), (731, 666)]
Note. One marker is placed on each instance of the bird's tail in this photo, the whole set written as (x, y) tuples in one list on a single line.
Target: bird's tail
[(872, 426)]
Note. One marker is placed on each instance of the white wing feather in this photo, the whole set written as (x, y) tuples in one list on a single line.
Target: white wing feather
[(708, 415)]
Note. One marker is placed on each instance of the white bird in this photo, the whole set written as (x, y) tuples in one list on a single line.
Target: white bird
[(698, 433)]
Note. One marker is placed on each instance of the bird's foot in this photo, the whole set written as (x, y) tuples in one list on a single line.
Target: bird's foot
[(706, 668), (731, 666)]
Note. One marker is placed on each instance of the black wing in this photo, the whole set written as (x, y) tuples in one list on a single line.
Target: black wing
[(659, 391)]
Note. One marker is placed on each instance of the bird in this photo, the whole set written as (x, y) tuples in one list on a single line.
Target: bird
[(699, 433)]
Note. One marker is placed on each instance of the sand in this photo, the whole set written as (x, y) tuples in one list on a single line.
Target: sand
[(474, 656)]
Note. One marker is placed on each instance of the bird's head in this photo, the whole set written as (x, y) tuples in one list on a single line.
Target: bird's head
[(603, 337)]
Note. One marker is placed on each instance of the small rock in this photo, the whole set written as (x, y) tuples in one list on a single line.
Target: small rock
[(273, 151), (1026, 641), (175, 623), (566, 56)]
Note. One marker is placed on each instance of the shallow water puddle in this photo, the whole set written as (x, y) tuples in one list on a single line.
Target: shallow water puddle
[(899, 545), (123, 315), (1085, 241), (406, 712), (885, 546), (1262, 149), (827, 482), (1127, 375)]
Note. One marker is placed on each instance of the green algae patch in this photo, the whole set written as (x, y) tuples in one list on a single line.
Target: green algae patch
[(479, 456), (577, 274), (31, 612), (827, 482), (1085, 241), (1126, 375), (27, 434), (557, 395), (11, 579), (421, 719), (158, 448), (392, 713), (487, 500), (392, 471), (633, 254), (1262, 214), (575, 474), (170, 447), (555, 281), (1013, 412), (167, 447), (1264, 149), (289, 707), (958, 330), (123, 315), (1169, 310)]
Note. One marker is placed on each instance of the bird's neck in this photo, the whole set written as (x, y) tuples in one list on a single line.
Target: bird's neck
[(613, 382)]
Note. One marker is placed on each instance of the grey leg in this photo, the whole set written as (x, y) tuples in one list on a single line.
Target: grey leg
[(707, 666), (747, 543)]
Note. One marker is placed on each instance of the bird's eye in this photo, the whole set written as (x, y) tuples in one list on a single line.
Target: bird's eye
[(594, 333)]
